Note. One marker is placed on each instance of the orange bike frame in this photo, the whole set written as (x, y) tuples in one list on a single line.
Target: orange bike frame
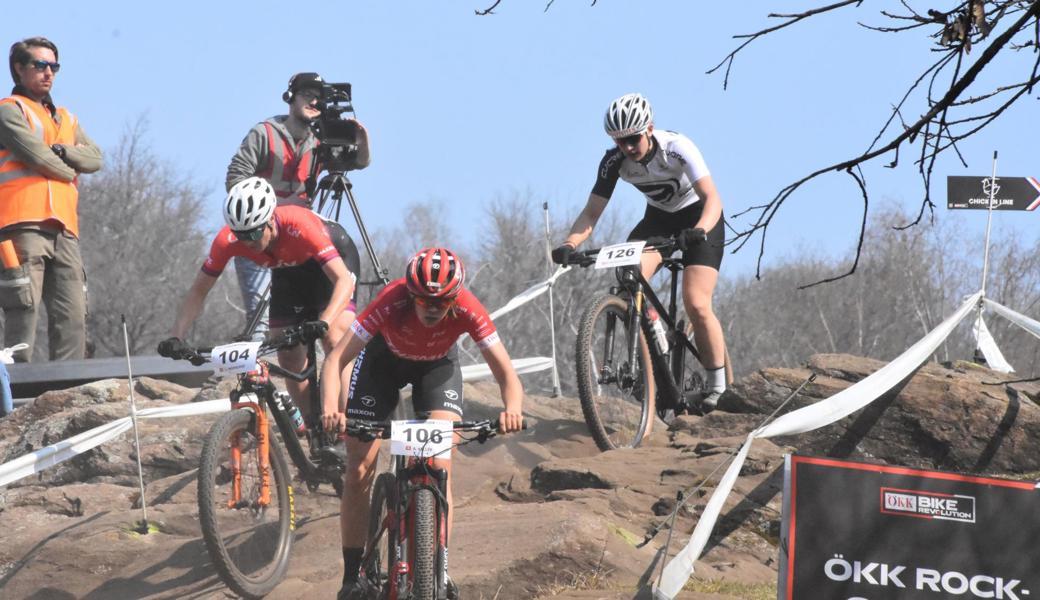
[(262, 451)]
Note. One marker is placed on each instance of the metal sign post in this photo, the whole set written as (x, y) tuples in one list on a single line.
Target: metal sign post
[(552, 319), (142, 527)]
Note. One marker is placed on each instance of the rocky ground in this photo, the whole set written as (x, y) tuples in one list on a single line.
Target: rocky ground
[(539, 514)]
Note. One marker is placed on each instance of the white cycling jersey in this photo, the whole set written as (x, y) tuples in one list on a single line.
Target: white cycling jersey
[(665, 176)]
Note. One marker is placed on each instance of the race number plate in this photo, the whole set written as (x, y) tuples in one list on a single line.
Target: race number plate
[(231, 359), (619, 255), (421, 439)]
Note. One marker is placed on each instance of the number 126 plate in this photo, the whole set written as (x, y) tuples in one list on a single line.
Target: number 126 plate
[(421, 439), (619, 255)]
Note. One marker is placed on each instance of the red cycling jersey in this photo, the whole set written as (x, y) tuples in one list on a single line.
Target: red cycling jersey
[(301, 237), (392, 315)]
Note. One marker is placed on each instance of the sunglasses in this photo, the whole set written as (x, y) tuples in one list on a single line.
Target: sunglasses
[(250, 235), (629, 140), (436, 303), (41, 65)]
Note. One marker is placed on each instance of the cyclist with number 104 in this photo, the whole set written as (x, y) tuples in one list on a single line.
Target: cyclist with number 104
[(681, 201), (407, 335), (314, 265)]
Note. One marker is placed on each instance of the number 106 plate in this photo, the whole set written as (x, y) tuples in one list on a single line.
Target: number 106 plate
[(421, 439)]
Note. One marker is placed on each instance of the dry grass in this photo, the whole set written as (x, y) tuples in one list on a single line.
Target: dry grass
[(744, 591)]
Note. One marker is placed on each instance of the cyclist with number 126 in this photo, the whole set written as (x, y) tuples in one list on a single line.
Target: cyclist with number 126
[(408, 335), (313, 264), (681, 201)]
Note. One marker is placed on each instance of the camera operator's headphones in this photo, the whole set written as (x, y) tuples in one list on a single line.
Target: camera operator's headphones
[(301, 81)]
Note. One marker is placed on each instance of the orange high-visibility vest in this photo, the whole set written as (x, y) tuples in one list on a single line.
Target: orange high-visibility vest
[(287, 169), (25, 195)]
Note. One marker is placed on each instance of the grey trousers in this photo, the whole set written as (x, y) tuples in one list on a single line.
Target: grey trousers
[(58, 281)]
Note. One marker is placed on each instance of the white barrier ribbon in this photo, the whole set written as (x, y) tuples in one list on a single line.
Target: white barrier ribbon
[(1022, 321), (988, 346), (529, 294), (826, 411)]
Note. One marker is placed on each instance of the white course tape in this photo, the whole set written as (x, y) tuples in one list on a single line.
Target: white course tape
[(38, 460), (1022, 321), (529, 294), (827, 411), (988, 346)]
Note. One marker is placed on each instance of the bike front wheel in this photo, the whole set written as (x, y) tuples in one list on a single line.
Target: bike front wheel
[(381, 530), (424, 546), (616, 391), (248, 540)]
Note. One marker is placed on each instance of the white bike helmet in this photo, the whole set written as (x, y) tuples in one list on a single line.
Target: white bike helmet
[(628, 115), (250, 204)]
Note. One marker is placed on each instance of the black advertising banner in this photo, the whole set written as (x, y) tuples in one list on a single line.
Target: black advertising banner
[(856, 531), (1011, 193)]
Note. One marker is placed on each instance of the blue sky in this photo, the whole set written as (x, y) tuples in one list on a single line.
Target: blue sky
[(465, 109)]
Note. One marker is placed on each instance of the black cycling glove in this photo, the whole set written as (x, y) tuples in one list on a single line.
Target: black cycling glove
[(172, 347), (689, 238), (561, 255), (312, 330)]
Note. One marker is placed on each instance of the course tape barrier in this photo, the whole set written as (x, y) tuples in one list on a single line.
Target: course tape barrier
[(529, 294), (44, 458), (678, 571), (988, 346), (1021, 320)]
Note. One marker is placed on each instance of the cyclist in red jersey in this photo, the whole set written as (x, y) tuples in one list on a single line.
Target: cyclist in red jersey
[(298, 245), (408, 335)]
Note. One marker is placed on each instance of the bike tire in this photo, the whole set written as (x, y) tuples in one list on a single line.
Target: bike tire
[(619, 414), (375, 571), (424, 546), (249, 544)]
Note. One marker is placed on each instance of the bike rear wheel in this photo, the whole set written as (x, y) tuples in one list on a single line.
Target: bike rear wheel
[(375, 572), (248, 543), (424, 546), (617, 396)]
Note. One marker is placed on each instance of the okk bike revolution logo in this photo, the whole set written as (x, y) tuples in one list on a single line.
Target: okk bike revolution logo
[(928, 505)]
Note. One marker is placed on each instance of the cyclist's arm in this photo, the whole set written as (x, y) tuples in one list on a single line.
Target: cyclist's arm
[(192, 304), (705, 188), (508, 383), (343, 289), (582, 228), (348, 348)]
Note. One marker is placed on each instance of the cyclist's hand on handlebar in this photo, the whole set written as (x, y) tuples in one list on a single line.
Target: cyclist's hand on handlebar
[(172, 347), (509, 422), (689, 238), (335, 421), (561, 255), (312, 330)]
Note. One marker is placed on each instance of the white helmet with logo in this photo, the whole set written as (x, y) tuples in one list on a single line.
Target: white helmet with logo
[(628, 115), (250, 204)]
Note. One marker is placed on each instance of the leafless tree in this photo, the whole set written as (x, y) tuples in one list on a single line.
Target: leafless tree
[(142, 243), (953, 107)]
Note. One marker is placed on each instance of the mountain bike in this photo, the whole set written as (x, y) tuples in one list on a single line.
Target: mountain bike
[(634, 358), (408, 517), (245, 492)]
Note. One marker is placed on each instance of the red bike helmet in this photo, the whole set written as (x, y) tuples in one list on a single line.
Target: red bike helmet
[(435, 273)]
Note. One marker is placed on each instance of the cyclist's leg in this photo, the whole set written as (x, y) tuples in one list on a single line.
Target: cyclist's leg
[(700, 275), (372, 394), (437, 391), (650, 225)]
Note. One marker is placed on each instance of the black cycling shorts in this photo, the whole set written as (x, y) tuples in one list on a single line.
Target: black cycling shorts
[(658, 223), (300, 293), (379, 375)]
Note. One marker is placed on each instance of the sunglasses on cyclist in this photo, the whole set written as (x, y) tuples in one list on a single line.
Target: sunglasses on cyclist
[(629, 140), (41, 65), (250, 235), (435, 303)]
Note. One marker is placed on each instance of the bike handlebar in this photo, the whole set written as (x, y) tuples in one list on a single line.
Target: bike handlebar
[(372, 430), (292, 336), (663, 244)]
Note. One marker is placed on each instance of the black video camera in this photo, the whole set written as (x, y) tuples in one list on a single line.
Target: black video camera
[(338, 150)]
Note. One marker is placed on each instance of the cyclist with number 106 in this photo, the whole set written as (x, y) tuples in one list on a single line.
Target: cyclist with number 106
[(407, 335), (681, 201)]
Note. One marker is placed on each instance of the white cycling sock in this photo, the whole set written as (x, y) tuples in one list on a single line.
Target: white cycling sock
[(716, 381)]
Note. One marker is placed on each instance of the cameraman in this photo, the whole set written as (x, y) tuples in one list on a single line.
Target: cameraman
[(281, 149)]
